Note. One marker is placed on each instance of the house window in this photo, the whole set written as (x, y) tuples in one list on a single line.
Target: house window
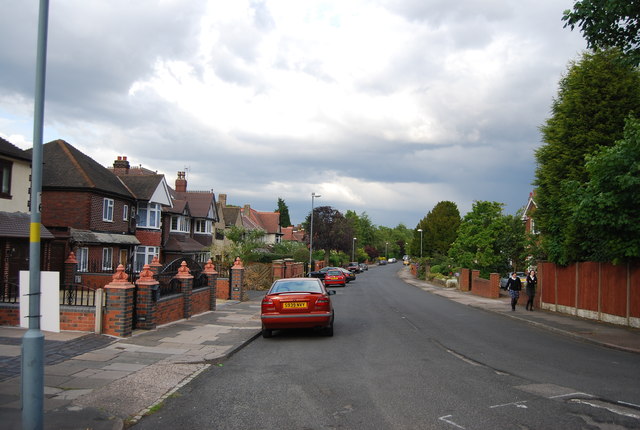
[(149, 215), (144, 255), (202, 226), (107, 258), (533, 227), (180, 223), (107, 210), (5, 179), (125, 213), (82, 256)]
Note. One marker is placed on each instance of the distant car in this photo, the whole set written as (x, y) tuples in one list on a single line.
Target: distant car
[(297, 303), (406, 262), (335, 278), (320, 273), (363, 267), (392, 260), (382, 262), (353, 267), (348, 274), (521, 275)]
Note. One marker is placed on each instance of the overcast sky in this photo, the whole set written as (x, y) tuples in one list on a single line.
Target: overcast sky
[(381, 106)]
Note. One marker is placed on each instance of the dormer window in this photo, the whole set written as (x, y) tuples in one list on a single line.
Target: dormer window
[(180, 224), (202, 226), (148, 215)]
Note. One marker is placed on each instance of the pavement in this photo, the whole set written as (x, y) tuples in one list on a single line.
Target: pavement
[(99, 382)]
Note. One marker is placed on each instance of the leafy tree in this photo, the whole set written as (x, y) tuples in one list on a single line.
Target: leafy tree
[(331, 230), (513, 243), (607, 24), (245, 242), (480, 237), (440, 229), (594, 98), (363, 228), (285, 221), (607, 205)]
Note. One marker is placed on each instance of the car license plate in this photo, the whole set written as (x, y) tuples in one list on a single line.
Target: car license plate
[(294, 305)]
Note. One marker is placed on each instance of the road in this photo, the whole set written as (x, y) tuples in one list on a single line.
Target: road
[(402, 358)]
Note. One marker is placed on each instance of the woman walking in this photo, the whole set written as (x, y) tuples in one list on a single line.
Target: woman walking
[(532, 283), (514, 285)]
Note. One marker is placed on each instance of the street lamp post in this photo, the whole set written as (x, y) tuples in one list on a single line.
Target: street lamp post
[(420, 230), (386, 246), (353, 249), (313, 195)]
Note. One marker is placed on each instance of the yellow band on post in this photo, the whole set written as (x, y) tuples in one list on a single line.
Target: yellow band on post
[(34, 234)]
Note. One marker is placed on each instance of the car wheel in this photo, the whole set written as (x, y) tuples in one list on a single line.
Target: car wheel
[(328, 331), (267, 333)]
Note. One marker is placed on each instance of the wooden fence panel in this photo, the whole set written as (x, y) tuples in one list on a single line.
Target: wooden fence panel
[(547, 282), (613, 296), (588, 281), (566, 285), (634, 299)]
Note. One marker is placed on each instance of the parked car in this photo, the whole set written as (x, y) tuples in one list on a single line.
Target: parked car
[(297, 303), (382, 262), (392, 260), (320, 273), (521, 275), (406, 262), (363, 267), (353, 267), (335, 278)]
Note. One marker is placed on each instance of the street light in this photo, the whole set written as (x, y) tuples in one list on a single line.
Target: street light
[(353, 249), (313, 195), (420, 230), (386, 245)]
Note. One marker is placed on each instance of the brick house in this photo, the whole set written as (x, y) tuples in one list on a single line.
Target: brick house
[(15, 218), (88, 210), (152, 194)]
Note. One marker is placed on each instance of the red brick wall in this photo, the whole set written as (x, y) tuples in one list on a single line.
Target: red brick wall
[(149, 237), (56, 213), (77, 320), (10, 315), (489, 288), (200, 301), (118, 224), (169, 310)]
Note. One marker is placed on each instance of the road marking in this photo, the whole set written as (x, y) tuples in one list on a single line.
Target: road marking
[(520, 404), (628, 404), (570, 394), (606, 406), (444, 418), (463, 358)]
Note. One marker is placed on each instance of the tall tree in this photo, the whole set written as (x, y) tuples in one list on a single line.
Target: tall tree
[(608, 24), (607, 205), (331, 230), (479, 239), (594, 98), (440, 229), (285, 221)]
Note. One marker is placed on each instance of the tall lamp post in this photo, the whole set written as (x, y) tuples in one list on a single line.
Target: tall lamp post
[(353, 249), (313, 195), (386, 246), (420, 230)]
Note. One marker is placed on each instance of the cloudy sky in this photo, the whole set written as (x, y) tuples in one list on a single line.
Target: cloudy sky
[(381, 106)]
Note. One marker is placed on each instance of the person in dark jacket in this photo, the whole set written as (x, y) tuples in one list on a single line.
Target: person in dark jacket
[(532, 283), (514, 285)]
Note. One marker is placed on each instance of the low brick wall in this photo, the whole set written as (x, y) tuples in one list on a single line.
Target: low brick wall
[(200, 301), (489, 288), (78, 318), (10, 314), (169, 309)]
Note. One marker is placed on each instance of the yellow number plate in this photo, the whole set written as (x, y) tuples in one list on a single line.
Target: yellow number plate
[(294, 305)]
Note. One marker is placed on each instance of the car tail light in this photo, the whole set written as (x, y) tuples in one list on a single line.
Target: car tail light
[(268, 305), (323, 303)]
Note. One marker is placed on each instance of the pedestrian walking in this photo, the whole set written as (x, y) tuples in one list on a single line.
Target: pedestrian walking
[(532, 283), (514, 285)]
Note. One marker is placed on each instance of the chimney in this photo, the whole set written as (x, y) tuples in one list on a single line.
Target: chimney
[(222, 199), (121, 166), (247, 210), (181, 183)]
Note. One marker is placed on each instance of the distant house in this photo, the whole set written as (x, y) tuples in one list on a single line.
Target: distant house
[(269, 222), (189, 223), (88, 210), (529, 214), (15, 218), (293, 234)]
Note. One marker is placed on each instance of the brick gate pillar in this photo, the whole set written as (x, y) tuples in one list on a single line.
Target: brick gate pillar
[(70, 268), (146, 299), (155, 266), (185, 278), (118, 319), (237, 281), (212, 280)]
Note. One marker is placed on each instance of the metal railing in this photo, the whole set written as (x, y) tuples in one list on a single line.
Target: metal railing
[(9, 292), (77, 295)]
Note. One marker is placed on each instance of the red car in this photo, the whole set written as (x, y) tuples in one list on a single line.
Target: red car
[(335, 278), (297, 303)]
